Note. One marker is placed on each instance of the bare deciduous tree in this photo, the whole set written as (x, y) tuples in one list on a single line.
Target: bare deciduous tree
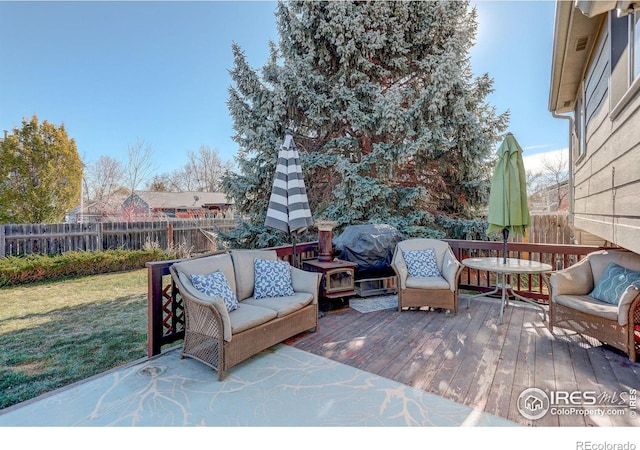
[(208, 168), (555, 173), (139, 169), (140, 166), (547, 185), (103, 178), (202, 172)]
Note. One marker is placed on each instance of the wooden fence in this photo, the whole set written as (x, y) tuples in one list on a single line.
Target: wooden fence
[(551, 228), (26, 239), (47, 239)]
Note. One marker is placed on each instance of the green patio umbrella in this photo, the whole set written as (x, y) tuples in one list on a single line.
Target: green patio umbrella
[(508, 209)]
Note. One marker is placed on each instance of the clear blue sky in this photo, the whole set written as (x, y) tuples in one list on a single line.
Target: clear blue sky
[(116, 73)]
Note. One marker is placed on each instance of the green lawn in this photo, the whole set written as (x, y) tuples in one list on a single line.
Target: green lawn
[(53, 334)]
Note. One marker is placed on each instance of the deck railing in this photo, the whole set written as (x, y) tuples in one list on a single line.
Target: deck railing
[(559, 256), (166, 311)]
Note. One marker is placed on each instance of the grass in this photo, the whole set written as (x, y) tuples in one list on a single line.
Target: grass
[(55, 333)]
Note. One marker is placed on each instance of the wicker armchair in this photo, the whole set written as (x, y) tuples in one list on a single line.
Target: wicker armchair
[(573, 308), (435, 292)]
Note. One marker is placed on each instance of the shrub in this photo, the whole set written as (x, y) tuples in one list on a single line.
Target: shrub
[(463, 229), (15, 270)]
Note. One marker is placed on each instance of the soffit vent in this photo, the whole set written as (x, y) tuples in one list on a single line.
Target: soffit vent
[(581, 43)]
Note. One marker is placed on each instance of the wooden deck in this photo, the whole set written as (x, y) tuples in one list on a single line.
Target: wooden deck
[(472, 359)]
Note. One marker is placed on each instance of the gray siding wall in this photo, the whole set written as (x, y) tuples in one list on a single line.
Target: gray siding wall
[(607, 176)]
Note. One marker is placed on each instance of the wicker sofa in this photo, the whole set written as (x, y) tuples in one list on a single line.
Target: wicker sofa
[(573, 307), (222, 339)]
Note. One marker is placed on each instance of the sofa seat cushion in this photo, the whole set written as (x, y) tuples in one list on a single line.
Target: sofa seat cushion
[(589, 305), (427, 283), (249, 316), (283, 306)]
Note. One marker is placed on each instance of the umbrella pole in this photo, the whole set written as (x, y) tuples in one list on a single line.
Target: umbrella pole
[(295, 257), (505, 236)]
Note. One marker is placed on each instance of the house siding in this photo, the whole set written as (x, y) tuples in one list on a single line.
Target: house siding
[(606, 181)]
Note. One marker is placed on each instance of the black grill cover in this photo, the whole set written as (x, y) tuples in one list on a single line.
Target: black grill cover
[(370, 246)]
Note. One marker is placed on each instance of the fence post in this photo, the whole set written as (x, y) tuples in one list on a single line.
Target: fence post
[(154, 309), (2, 242), (99, 244), (169, 234)]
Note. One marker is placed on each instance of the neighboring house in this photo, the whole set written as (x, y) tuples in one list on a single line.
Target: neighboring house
[(109, 210), (551, 198), (151, 205), (178, 204), (595, 84)]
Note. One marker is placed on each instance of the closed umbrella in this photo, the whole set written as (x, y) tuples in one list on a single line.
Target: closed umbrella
[(508, 208), (288, 209)]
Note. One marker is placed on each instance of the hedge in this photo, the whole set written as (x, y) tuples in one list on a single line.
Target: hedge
[(16, 270)]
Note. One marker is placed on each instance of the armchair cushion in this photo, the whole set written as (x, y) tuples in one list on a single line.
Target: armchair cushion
[(272, 279), (574, 280), (421, 263), (427, 283), (215, 284), (601, 259), (614, 282), (589, 305)]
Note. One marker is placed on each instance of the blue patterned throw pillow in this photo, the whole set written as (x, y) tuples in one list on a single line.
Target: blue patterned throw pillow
[(421, 263), (216, 285), (615, 280), (272, 279)]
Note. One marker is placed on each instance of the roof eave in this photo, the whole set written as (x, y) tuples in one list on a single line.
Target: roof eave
[(569, 59)]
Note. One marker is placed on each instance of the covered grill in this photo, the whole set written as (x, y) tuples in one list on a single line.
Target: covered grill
[(371, 247)]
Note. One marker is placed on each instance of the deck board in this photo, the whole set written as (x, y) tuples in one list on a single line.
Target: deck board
[(472, 359), (461, 382), (501, 393), (487, 367), (580, 362)]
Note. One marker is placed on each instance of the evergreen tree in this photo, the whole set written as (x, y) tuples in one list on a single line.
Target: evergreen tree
[(259, 120), (40, 174), (392, 125)]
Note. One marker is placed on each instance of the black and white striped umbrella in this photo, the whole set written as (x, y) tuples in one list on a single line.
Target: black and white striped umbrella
[(288, 205)]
